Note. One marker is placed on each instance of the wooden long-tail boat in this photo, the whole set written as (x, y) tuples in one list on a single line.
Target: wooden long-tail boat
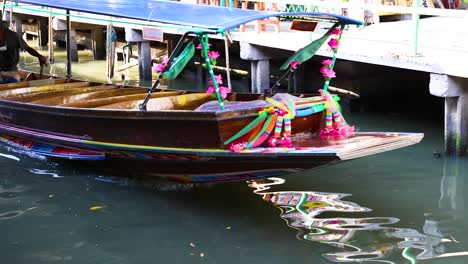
[(181, 135)]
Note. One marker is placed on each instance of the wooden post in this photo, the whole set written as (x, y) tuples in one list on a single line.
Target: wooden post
[(69, 59), (228, 68), (144, 59), (51, 38), (73, 45), (170, 44), (99, 51), (43, 32), (110, 51), (144, 55)]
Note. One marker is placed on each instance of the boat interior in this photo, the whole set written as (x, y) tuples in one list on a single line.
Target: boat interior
[(83, 94)]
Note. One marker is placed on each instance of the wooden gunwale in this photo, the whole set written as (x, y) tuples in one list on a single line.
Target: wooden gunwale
[(108, 113), (22, 84)]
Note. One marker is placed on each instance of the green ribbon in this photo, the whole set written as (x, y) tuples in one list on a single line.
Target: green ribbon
[(265, 126), (259, 119)]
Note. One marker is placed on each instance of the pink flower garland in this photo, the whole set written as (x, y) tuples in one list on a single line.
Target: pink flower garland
[(223, 91), (334, 43), (327, 69), (160, 66), (336, 127), (337, 31), (337, 132), (328, 73), (213, 55), (294, 64), (200, 46)]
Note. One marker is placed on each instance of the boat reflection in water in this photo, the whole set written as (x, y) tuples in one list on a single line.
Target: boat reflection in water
[(358, 239)]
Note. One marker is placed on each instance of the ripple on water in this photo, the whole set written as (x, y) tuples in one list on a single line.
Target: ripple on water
[(45, 172), (11, 214), (8, 156), (10, 193)]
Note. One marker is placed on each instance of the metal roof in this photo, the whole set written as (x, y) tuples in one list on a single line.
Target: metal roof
[(196, 16)]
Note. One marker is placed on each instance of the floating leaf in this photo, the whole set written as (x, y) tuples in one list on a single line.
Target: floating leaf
[(228, 228)]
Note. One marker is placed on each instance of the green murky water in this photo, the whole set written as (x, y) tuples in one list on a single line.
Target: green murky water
[(403, 206)]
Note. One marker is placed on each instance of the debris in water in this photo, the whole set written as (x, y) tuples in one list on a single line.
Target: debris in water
[(97, 207)]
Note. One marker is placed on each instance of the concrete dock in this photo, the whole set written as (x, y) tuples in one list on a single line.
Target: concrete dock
[(443, 44)]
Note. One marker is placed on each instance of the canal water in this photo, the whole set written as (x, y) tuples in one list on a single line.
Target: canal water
[(402, 206)]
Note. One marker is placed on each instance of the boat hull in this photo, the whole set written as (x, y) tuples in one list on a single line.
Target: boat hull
[(203, 165), (186, 165)]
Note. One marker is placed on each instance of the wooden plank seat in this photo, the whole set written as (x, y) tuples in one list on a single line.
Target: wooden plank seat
[(69, 100), (113, 101), (162, 101), (57, 97)]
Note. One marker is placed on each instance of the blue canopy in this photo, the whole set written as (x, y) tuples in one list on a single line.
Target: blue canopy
[(199, 17)]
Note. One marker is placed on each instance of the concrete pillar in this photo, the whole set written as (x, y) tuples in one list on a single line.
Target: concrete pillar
[(455, 91), (260, 72), (260, 65), (144, 54), (98, 43)]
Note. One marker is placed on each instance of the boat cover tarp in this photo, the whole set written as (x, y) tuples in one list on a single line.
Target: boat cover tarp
[(199, 17)]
